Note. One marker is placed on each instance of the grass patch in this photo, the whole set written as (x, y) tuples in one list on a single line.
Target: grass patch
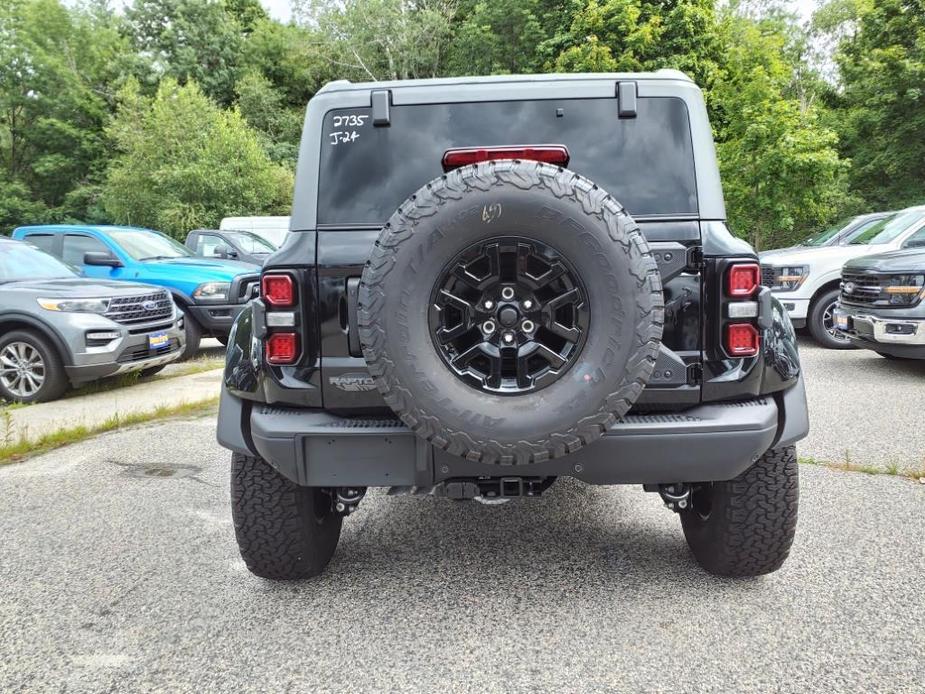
[(187, 368), (12, 451), (892, 469)]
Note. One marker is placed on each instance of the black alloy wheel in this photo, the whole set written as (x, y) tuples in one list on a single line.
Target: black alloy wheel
[(508, 315)]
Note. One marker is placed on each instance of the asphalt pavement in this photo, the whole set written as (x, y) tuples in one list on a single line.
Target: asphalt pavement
[(119, 572), (864, 409)]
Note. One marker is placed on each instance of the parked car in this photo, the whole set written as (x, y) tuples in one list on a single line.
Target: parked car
[(209, 292), (234, 245), (838, 234), (510, 322), (806, 280), (273, 229), (59, 329), (881, 305)]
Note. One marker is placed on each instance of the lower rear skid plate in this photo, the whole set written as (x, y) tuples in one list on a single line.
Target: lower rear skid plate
[(709, 442)]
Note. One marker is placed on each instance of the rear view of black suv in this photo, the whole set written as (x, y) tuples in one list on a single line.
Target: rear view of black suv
[(495, 282)]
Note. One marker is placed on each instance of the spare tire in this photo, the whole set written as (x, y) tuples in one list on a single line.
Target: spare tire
[(510, 312)]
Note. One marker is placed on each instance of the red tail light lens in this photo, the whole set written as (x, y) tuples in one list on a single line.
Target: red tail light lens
[(743, 279), (549, 154), (282, 348), (742, 340), (278, 290)]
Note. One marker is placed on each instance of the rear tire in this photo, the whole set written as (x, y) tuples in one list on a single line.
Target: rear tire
[(819, 321), (744, 527), (42, 378), (193, 336), (284, 531)]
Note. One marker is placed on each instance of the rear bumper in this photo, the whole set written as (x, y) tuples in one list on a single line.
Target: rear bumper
[(705, 443)]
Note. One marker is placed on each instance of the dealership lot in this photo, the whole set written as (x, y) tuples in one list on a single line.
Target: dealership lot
[(119, 570)]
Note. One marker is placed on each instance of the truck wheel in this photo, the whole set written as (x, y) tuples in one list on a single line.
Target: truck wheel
[(193, 335), (744, 527), (284, 531), (510, 312), (821, 322), (30, 368)]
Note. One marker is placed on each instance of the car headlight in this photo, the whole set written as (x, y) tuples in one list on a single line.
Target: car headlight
[(212, 291), (905, 290), (75, 305), (787, 279)]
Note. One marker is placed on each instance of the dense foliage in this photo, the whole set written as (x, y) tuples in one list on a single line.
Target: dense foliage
[(175, 113)]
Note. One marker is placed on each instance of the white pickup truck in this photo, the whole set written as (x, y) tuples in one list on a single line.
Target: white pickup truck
[(806, 279)]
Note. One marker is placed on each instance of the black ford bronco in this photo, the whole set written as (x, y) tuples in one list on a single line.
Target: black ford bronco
[(493, 282)]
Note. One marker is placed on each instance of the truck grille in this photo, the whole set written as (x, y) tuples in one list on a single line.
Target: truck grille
[(143, 308), (767, 276), (244, 288), (862, 289)]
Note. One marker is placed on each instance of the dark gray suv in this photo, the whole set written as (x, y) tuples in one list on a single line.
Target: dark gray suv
[(59, 329)]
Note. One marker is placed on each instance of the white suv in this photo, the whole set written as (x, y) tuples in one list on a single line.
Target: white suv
[(806, 280)]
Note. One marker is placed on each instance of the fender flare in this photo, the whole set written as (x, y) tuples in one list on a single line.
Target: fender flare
[(44, 329)]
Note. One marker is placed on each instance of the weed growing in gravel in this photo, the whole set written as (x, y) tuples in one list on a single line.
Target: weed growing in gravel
[(892, 469)]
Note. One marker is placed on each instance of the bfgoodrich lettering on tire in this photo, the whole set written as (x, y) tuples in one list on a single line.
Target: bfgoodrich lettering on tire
[(510, 312)]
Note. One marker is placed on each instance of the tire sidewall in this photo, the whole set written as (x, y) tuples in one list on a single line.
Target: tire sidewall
[(55, 382), (816, 327)]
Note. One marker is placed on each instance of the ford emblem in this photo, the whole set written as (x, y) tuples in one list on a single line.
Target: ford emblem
[(149, 305)]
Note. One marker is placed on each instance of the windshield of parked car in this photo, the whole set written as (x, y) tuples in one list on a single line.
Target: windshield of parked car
[(250, 243), (20, 261), (824, 237), (141, 244), (888, 229)]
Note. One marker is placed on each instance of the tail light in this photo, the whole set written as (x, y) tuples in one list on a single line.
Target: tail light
[(282, 348), (742, 280), (742, 340), (549, 154), (278, 290)]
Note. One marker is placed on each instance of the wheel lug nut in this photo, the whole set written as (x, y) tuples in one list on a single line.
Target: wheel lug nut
[(507, 293), (489, 304), (528, 304), (527, 326), (508, 337), (488, 327)]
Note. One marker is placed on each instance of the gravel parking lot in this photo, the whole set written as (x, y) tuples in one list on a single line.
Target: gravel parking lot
[(119, 571)]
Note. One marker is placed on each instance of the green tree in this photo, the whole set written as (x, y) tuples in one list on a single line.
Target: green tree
[(264, 108), (880, 110), (183, 162), (498, 37), (198, 40), (782, 175), (58, 72), (380, 39)]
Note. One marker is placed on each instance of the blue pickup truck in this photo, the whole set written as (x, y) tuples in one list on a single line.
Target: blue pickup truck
[(210, 292)]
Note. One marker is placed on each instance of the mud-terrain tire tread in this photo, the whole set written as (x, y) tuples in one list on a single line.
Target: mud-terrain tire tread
[(562, 183), (278, 532), (753, 520)]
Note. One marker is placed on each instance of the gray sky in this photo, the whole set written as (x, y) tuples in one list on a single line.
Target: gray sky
[(279, 9)]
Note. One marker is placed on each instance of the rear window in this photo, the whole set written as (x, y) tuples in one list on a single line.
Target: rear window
[(646, 162)]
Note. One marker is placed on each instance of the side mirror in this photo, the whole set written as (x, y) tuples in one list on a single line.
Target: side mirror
[(101, 258), (225, 252)]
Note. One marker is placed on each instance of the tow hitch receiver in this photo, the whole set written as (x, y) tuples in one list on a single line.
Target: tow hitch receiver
[(495, 487)]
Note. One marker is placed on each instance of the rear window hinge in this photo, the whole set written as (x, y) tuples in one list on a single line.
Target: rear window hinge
[(381, 102), (695, 259), (626, 99), (695, 374)]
